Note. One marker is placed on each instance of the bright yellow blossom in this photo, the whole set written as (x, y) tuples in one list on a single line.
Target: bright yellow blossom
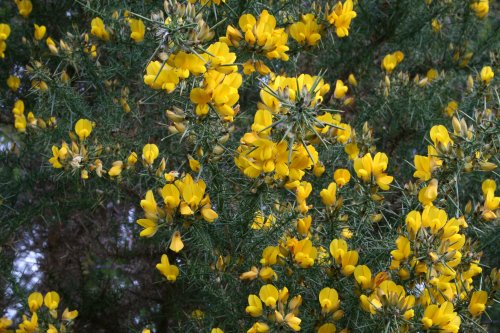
[(4, 31), (176, 243), (441, 317), (35, 301), (340, 89), (25, 7), (341, 17), (269, 295), (137, 28), (306, 31), (83, 128), (477, 303), (13, 82), (329, 300), (487, 75), (481, 8), (390, 61), (171, 272), (98, 29), (51, 300), (150, 152), (40, 31)]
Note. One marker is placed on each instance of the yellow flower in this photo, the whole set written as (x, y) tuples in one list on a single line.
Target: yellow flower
[(195, 64), (390, 61), (259, 327), (29, 325), (98, 29), (442, 317), (260, 34), (346, 233), (451, 108), (268, 274), (429, 193), (4, 31), (160, 76), (341, 17), (20, 123), (341, 177), (327, 328), (440, 136), (269, 295), (171, 197), (3, 47), (303, 225), (58, 155), (216, 330), (51, 300), (219, 58), (40, 31), (329, 300), (434, 218), (366, 167), (150, 152), (149, 206), (176, 243), (304, 253), (424, 167), (328, 196), (340, 89), (171, 272), (352, 150), (254, 307), (116, 169), (293, 322), (137, 29), (13, 82), (352, 80), (436, 25), (52, 45), (403, 249), (194, 165), (25, 7), (150, 227), (83, 128), (306, 31), (338, 247), (487, 75), (251, 274), (363, 276), (481, 8), (69, 315), (5, 323), (260, 221), (132, 158), (349, 262), (35, 301), (478, 302), (413, 222)]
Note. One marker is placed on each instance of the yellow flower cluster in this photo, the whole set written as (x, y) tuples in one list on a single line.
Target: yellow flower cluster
[(341, 17), (185, 196), (306, 31), (282, 312), (259, 36), (40, 308), (4, 35)]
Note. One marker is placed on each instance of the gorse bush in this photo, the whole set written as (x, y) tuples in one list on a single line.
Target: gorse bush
[(249, 166)]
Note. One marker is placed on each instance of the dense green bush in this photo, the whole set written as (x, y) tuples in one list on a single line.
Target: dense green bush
[(285, 166)]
